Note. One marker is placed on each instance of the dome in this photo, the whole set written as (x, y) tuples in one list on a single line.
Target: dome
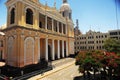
[(65, 10), (65, 7)]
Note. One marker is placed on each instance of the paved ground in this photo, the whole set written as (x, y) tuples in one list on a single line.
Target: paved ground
[(68, 73), (65, 69)]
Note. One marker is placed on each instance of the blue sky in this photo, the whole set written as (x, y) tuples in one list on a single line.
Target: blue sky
[(97, 15)]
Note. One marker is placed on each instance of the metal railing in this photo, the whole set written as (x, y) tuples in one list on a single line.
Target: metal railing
[(26, 76)]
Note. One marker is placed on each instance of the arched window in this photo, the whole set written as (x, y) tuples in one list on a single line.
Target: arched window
[(29, 16), (12, 17)]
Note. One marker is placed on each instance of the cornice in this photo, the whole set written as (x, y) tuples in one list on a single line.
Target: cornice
[(36, 30)]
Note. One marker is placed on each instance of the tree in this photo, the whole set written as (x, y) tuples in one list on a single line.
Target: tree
[(96, 61), (112, 45), (110, 61), (88, 61)]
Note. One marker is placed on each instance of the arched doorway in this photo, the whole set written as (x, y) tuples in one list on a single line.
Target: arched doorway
[(10, 54), (49, 53), (28, 51)]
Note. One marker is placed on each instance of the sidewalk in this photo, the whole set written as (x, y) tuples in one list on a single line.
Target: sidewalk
[(58, 65)]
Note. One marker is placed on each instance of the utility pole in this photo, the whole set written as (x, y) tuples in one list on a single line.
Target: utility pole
[(117, 24)]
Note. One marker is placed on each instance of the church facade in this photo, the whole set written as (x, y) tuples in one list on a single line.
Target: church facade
[(35, 31)]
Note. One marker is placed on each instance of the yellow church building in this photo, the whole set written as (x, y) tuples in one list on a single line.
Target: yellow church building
[(35, 31)]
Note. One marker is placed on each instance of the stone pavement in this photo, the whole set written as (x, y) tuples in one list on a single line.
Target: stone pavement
[(58, 65)]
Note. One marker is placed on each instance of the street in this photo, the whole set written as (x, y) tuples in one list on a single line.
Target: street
[(68, 73)]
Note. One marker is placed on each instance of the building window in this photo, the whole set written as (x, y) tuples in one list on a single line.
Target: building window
[(102, 36), (29, 16), (1, 43), (105, 36), (75, 47), (63, 14), (12, 17), (102, 41), (64, 28), (40, 24), (60, 27), (1, 52), (69, 15)]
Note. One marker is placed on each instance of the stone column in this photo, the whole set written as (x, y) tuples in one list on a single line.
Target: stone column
[(46, 49), (45, 22), (66, 29), (58, 46), (36, 54), (62, 48), (67, 48), (57, 26), (53, 50), (52, 25), (38, 49), (62, 27)]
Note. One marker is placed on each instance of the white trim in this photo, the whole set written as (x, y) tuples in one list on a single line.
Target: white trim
[(11, 7), (28, 7)]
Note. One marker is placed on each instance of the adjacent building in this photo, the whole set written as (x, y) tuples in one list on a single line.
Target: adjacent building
[(115, 34), (90, 41), (35, 31)]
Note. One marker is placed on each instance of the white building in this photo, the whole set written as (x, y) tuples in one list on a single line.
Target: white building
[(115, 34), (90, 41)]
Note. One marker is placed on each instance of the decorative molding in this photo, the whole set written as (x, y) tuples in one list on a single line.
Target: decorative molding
[(22, 36), (30, 32), (22, 33), (28, 7), (11, 7)]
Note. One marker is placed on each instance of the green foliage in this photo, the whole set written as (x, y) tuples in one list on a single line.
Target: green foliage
[(112, 45), (88, 60), (95, 60)]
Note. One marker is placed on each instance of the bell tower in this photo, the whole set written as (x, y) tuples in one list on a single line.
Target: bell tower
[(21, 14), (15, 13), (65, 10)]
